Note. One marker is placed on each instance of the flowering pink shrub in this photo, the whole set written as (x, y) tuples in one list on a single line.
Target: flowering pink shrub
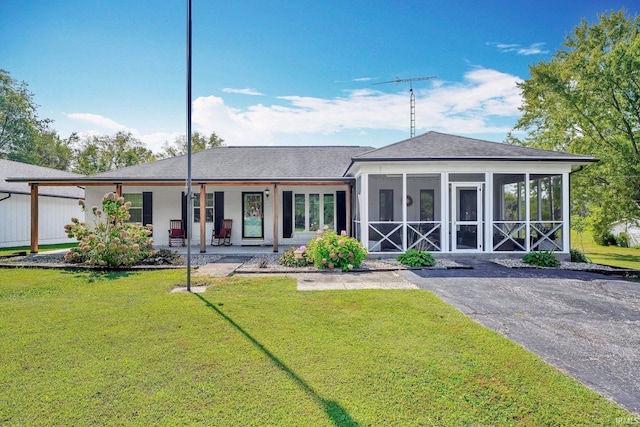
[(112, 241), (330, 250)]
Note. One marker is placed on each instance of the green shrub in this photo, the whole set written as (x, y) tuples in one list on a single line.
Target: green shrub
[(577, 256), (622, 240), (112, 241), (416, 258), (541, 259), (605, 239), (330, 250), (288, 258)]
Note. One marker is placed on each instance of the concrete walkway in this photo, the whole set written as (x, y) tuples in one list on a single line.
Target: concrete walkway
[(217, 269), (223, 267), (351, 281), (585, 324)]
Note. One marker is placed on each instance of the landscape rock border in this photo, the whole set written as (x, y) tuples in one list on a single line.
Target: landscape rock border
[(573, 266), (55, 260)]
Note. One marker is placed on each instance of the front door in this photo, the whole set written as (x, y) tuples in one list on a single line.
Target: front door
[(252, 215), (466, 218)]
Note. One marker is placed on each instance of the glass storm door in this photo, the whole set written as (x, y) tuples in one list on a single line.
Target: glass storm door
[(466, 224)]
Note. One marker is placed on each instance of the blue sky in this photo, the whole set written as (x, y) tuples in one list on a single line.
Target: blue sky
[(284, 72)]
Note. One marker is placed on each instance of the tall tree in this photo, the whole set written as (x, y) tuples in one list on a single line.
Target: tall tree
[(104, 153), (24, 136), (47, 149), (198, 142), (586, 100)]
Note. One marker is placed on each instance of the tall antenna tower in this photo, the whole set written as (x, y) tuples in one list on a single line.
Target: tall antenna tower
[(412, 98)]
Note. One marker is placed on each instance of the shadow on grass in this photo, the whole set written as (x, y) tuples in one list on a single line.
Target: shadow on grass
[(628, 258), (334, 410), (93, 276)]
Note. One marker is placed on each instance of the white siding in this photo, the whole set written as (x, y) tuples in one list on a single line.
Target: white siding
[(53, 214)]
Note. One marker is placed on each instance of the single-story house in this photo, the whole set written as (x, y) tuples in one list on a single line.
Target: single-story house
[(56, 205), (436, 192), (629, 227)]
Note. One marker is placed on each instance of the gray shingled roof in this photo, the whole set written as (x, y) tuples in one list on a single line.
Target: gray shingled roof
[(307, 163), (10, 169), (441, 146), (247, 163)]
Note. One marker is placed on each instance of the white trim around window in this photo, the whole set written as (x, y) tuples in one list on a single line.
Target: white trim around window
[(313, 210)]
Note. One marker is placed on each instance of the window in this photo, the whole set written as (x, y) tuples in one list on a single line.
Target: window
[(426, 205), (312, 212), (300, 214), (136, 206), (386, 205), (545, 197), (208, 208), (329, 210)]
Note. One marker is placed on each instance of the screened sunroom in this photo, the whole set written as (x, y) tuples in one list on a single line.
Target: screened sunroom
[(510, 199)]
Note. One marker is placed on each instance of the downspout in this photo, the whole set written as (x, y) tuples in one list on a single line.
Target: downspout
[(5, 198)]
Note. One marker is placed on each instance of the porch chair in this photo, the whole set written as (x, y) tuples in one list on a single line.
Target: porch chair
[(223, 234), (176, 231)]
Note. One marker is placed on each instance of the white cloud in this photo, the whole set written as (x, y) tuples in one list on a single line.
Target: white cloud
[(246, 91), (482, 103), (485, 102), (532, 49), (99, 121)]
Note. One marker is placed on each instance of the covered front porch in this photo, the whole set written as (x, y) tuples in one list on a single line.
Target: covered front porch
[(463, 212)]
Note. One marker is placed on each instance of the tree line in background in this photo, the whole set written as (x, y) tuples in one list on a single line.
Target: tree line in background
[(25, 137)]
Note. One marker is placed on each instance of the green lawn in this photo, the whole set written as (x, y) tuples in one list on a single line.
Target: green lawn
[(607, 255), (41, 248), (82, 348)]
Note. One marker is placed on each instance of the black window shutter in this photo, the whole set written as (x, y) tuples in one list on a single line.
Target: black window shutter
[(218, 209), (185, 226), (147, 208), (287, 214), (341, 211)]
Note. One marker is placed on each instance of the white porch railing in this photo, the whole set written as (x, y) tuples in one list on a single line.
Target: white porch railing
[(545, 236), (385, 236), (424, 236), (509, 236)]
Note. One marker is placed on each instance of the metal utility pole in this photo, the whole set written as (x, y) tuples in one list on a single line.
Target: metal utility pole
[(412, 98), (189, 210)]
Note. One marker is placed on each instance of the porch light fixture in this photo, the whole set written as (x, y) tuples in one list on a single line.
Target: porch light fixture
[(266, 192)]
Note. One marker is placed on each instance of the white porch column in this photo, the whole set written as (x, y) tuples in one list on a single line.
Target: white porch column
[(488, 215), (444, 210), (566, 214), (364, 211), (404, 212), (349, 217), (527, 212)]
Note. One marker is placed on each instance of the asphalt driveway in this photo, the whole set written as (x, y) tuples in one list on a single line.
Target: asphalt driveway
[(585, 324)]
